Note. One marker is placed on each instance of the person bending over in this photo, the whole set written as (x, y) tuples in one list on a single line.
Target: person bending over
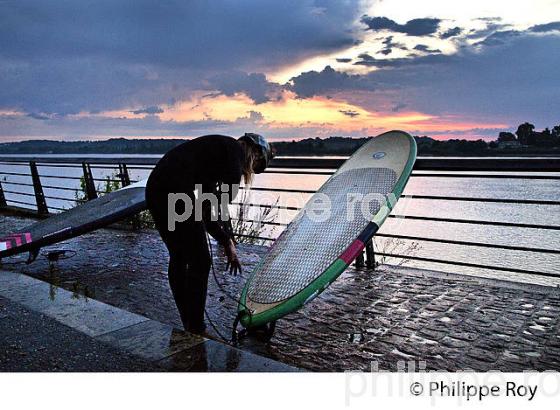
[(202, 164)]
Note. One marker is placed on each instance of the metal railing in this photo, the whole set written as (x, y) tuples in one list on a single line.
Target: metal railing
[(501, 168)]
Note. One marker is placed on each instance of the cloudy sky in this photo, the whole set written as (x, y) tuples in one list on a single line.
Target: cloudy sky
[(89, 69)]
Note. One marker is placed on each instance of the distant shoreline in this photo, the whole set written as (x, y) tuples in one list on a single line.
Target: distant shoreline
[(316, 147)]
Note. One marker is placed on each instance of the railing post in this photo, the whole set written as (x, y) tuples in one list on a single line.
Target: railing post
[(91, 193), (42, 208), (3, 203), (370, 255), (123, 175), (359, 261)]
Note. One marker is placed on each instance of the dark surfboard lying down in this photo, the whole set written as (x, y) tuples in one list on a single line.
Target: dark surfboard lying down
[(89, 216)]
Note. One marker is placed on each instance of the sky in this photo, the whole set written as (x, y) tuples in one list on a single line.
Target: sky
[(290, 69)]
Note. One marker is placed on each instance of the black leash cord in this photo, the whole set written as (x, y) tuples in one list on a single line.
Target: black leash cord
[(233, 339)]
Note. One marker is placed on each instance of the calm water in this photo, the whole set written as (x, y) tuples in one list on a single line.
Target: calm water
[(440, 186)]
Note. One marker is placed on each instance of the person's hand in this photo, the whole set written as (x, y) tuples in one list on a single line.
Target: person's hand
[(232, 260)]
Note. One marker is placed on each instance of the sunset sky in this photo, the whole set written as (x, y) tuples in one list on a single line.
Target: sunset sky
[(91, 69)]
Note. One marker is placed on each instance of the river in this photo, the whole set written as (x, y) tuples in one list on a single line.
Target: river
[(510, 188)]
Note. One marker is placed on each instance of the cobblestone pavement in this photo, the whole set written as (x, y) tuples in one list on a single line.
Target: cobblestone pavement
[(383, 318)]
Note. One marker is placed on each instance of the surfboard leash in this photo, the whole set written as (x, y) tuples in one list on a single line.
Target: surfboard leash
[(234, 335)]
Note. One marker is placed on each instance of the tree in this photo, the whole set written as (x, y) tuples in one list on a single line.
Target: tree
[(525, 133), (506, 137)]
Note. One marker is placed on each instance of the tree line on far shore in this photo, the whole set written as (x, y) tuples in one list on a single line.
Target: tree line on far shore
[(525, 141)]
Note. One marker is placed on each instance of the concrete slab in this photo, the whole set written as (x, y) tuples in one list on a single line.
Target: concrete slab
[(64, 314), (86, 315), (33, 342), (152, 340), (212, 356)]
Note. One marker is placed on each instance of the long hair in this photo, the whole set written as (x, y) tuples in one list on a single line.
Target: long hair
[(247, 170)]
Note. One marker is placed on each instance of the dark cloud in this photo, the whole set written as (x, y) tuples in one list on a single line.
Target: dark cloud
[(154, 109), (73, 127), (426, 49), (509, 81), (255, 116), (343, 60), (544, 28), (313, 83), (415, 27), (452, 32), (389, 45), (369, 61), (349, 113), (254, 85), (93, 55)]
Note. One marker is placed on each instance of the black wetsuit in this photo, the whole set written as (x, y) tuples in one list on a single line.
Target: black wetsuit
[(209, 160)]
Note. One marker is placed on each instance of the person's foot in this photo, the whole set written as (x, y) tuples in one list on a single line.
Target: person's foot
[(196, 328)]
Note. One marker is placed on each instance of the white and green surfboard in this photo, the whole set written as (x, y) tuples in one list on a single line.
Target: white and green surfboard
[(311, 253)]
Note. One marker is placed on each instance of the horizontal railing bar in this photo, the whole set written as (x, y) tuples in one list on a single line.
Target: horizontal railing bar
[(522, 164), (473, 199), (288, 208), (20, 202), (59, 177), (272, 171), (423, 218), (488, 176), (139, 167), (60, 198), (78, 166), (18, 174), (437, 163), (57, 165), (466, 243), (79, 160), (295, 191), (254, 237), (57, 208), (434, 197), (18, 193), (61, 188), (446, 241), (261, 222), (15, 163), (434, 175), (16, 183), (468, 264), (107, 180), (476, 222)]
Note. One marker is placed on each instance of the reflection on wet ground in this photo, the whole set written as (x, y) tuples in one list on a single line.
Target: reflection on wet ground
[(385, 317), (42, 333)]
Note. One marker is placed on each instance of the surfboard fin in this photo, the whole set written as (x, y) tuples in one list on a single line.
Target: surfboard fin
[(261, 333)]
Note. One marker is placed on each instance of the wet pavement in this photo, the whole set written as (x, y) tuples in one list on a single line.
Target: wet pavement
[(45, 328), (367, 319)]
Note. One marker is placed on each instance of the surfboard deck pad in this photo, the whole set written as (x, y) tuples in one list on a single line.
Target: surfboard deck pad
[(331, 236), (87, 217)]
